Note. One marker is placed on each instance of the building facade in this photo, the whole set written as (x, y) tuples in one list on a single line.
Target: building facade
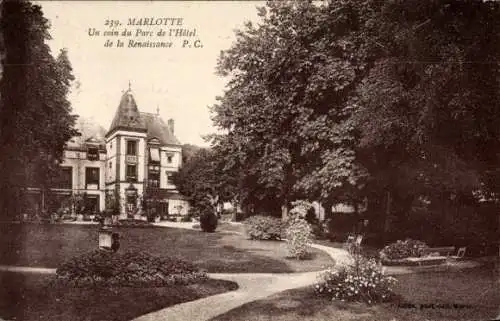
[(132, 163), (142, 153)]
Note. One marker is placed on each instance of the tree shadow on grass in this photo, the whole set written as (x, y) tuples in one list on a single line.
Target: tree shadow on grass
[(51, 245)]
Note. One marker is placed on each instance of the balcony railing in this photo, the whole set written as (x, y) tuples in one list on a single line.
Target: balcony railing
[(131, 159)]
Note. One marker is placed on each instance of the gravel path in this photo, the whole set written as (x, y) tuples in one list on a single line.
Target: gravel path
[(252, 287)]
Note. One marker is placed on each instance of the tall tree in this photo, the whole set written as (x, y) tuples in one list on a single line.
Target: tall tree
[(428, 111), (201, 179), (34, 110), (291, 79)]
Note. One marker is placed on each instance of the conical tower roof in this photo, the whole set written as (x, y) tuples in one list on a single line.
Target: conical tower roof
[(127, 116)]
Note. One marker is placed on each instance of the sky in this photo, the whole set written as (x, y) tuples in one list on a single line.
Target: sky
[(180, 82)]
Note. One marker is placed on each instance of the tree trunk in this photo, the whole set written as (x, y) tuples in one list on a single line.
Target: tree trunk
[(388, 209), (328, 209)]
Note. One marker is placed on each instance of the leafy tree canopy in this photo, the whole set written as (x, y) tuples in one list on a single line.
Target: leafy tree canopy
[(35, 113)]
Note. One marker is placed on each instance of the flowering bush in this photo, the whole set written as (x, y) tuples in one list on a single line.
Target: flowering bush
[(299, 210), (261, 227), (362, 281), (403, 249), (298, 237)]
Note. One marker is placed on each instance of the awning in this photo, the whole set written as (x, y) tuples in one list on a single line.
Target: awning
[(154, 153)]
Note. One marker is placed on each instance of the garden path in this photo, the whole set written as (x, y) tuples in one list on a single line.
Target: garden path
[(252, 287)]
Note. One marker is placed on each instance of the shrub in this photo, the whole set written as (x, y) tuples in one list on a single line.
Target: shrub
[(298, 238), (403, 249), (135, 269), (362, 281), (186, 218), (208, 222), (261, 227)]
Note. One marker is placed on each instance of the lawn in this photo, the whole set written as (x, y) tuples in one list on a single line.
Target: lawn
[(48, 245), (35, 297), (470, 295)]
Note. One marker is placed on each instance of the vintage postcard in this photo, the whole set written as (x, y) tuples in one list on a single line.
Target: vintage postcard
[(249, 160)]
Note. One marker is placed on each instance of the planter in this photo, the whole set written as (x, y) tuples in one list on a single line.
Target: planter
[(157, 219)]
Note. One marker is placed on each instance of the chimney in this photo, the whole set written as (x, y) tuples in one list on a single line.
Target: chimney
[(171, 125)]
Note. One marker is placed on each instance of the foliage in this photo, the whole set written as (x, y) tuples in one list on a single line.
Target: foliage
[(341, 100), (203, 182), (403, 249), (289, 80), (363, 281), (34, 110), (299, 209), (136, 269), (298, 238), (186, 218), (260, 227), (208, 221), (426, 109)]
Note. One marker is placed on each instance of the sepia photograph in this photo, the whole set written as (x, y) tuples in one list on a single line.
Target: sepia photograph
[(290, 160)]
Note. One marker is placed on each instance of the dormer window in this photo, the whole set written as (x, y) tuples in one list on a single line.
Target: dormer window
[(92, 153)]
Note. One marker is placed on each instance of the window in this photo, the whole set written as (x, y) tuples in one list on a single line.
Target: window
[(154, 155), (64, 179), (131, 172), (131, 147), (169, 178), (92, 177), (92, 153), (154, 176), (110, 165), (170, 158), (154, 182)]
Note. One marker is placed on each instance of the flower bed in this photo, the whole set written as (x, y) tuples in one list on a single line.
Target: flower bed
[(400, 250), (135, 269)]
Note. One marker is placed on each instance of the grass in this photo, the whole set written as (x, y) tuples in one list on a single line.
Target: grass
[(470, 295), (34, 297), (48, 245)]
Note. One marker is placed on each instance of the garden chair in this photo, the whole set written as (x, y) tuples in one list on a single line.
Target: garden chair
[(460, 254)]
